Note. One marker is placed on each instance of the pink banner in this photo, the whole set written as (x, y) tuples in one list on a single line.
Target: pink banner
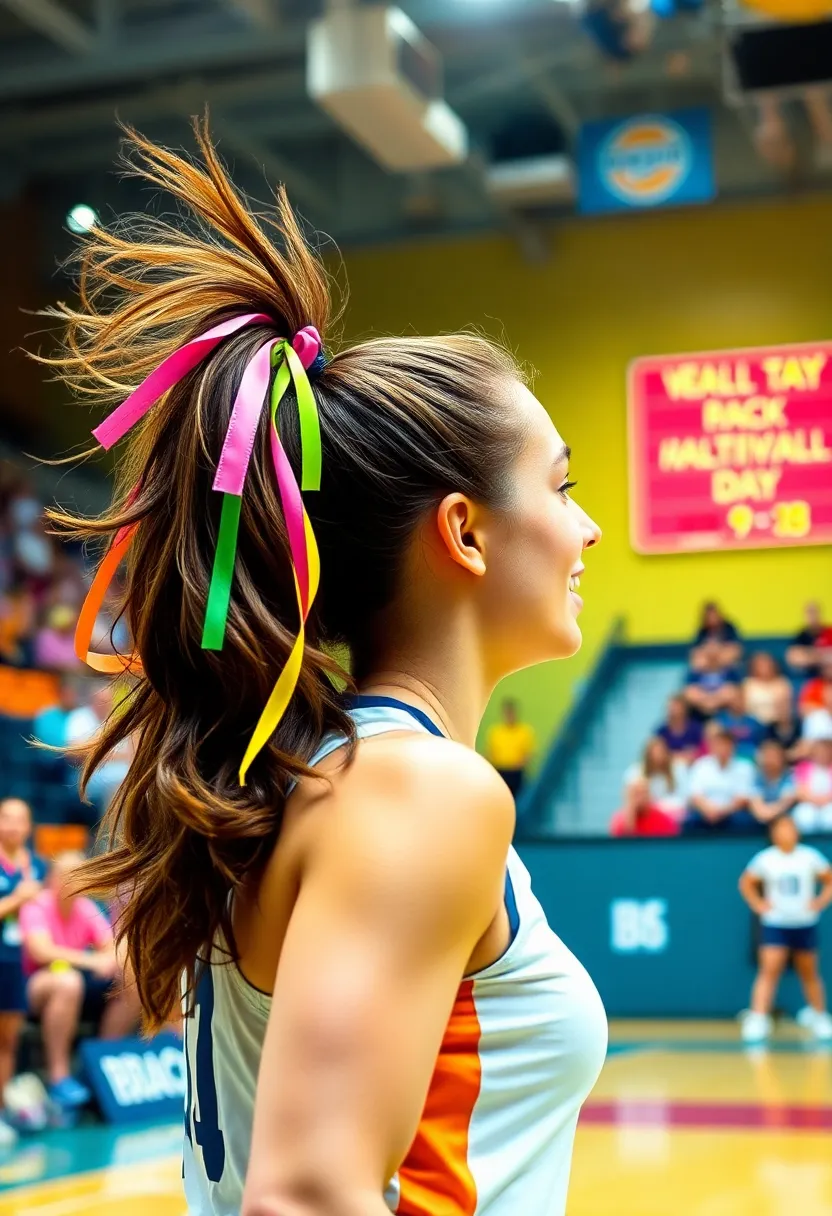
[(731, 449)]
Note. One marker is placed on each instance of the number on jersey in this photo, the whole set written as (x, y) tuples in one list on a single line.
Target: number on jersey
[(202, 1115)]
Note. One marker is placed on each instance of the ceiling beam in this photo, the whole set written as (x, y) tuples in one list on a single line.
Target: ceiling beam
[(55, 22), (259, 13), (169, 48)]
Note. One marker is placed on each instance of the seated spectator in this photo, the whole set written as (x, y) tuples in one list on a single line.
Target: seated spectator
[(82, 727), (818, 723), (55, 641), (51, 725), (775, 789), (806, 650), (709, 683), (21, 875), (813, 694), (666, 778), (510, 746), (746, 731), (17, 624), (786, 731), (720, 787), (813, 812), (715, 629), (640, 816), (681, 732), (768, 694), (70, 959)]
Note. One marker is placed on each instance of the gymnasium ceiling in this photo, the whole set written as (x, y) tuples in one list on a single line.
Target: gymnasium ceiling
[(522, 74)]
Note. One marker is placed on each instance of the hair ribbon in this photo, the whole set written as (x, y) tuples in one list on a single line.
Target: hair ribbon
[(292, 360)]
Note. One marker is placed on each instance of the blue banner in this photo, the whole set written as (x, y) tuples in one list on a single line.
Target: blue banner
[(652, 160), (137, 1079)]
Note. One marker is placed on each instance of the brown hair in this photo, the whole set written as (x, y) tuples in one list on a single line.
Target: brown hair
[(403, 423), (651, 768)]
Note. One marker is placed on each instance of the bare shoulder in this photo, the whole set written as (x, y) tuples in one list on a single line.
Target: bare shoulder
[(419, 803)]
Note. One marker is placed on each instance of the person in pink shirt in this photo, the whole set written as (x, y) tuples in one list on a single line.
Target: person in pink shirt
[(71, 963)]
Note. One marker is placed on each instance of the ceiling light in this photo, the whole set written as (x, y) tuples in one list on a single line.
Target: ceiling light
[(81, 218)]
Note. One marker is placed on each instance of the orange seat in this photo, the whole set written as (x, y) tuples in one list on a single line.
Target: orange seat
[(54, 838), (25, 693)]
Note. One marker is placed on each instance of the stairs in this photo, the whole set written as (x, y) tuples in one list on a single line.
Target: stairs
[(631, 709)]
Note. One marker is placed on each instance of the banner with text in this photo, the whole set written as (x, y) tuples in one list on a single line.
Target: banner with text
[(731, 449)]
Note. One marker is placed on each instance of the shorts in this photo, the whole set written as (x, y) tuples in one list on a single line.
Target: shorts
[(513, 778), (804, 939), (12, 987)]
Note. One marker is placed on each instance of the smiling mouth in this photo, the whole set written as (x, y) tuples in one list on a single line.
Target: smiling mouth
[(575, 579)]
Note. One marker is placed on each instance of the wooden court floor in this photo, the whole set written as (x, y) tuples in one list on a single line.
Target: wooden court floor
[(683, 1122)]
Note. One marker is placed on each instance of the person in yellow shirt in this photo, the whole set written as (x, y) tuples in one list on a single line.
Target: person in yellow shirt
[(510, 746)]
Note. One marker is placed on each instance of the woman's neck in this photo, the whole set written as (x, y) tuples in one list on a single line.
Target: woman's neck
[(443, 675)]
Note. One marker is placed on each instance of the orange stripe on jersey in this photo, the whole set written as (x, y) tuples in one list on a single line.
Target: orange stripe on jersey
[(435, 1178)]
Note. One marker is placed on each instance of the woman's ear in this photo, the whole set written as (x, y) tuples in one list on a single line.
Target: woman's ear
[(460, 525)]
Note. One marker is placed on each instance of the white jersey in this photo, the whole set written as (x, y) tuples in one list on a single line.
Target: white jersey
[(522, 1049), (790, 883)]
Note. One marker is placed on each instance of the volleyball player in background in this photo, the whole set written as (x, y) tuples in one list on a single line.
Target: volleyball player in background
[(430, 1040), (780, 884)]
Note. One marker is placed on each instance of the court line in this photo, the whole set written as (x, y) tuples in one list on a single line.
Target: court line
[(658, 1113)]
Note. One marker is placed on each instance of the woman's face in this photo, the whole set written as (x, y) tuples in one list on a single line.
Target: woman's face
[(657, 756), (762, 667), (15, 824), (534, 550)]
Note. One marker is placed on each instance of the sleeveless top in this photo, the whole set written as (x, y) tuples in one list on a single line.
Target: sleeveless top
[(522, 1049)]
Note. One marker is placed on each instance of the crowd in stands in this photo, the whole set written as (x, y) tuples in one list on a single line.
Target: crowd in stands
[(745, 740), (59, 969)]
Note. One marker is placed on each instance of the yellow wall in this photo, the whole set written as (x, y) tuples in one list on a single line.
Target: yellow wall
[(613, 289)]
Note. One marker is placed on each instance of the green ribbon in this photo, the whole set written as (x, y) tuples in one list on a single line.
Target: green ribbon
[(290, 370), (219, 592)]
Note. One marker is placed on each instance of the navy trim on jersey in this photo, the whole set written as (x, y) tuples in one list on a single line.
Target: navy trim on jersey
[(371, 702), (511, 909)]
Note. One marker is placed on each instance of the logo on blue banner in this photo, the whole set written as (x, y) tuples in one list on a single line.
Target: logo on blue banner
[(653, 160), (137, 1079)]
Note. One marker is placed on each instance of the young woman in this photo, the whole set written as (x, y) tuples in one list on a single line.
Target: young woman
[(383, 1020), (666, 777), (768, 694), (21, 876), (780, 885)]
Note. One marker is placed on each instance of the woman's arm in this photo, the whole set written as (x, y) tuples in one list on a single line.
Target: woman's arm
[(751, 891), (396, 894)]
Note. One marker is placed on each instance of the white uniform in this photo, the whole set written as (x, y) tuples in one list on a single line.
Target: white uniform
[(790, 882), (523, 1047)]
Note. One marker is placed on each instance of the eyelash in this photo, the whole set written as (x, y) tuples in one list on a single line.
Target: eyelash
[(566, 487)]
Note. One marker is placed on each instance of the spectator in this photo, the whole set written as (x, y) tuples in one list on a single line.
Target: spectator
[(814, 788), (681, 732), (510, 746), (715, 629), (640, 816), (805, 653), (775, 789), (17, 621), (768, 694), (51, 725), (666, 778), (709, 683), (21, 875), (747, 732), (818, 723), (71, 962), (55, 641), (786, 731), (813, 693), (720, 787), (82, 727)]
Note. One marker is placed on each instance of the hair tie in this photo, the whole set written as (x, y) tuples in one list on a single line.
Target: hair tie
[(292, 361)]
